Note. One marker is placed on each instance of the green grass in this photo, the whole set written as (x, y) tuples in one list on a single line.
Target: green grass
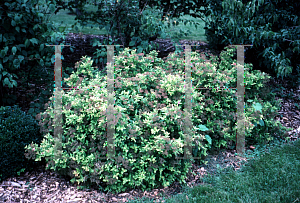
[(272, 176), (63, 20)]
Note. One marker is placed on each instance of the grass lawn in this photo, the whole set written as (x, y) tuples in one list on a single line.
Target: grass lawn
[(272, 176)]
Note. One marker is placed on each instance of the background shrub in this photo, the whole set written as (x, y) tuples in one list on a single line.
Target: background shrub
[(271, 26), (17, 129)]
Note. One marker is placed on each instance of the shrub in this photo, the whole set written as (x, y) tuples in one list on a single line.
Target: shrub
[(17, 129), (149, 109)]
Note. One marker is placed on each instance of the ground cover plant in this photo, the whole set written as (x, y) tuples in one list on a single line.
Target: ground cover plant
[(149, 110)]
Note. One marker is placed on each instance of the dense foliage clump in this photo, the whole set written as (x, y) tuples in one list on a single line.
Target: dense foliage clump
[(271, 28), (17, 129), (149, 96), (25, 59)]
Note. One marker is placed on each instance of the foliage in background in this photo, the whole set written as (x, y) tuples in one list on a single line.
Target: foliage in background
[(25, 56), (175, 9), (14, 65), (17, 129), (271, 26), (126, 20), (149, 109), (24, 33)]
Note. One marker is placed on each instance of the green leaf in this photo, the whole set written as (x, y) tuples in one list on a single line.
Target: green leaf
[(132, 43), (261, 122), (5, 59), (14, 50), (17, 18), (195, 151), (6, 49), (296, 49), (62, 29), (257, 106), (18, 29), (27, 43), (42, 47), (41, 15), (13, 23), (21, 58), (202, 128), (208, 138), (140, 50), (14, 83), (33, 41), (4, 73), (51, 8), (6, 82), (41, 62), (16, 63)]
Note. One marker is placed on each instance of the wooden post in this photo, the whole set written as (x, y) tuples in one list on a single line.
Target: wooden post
[(240, 136)]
